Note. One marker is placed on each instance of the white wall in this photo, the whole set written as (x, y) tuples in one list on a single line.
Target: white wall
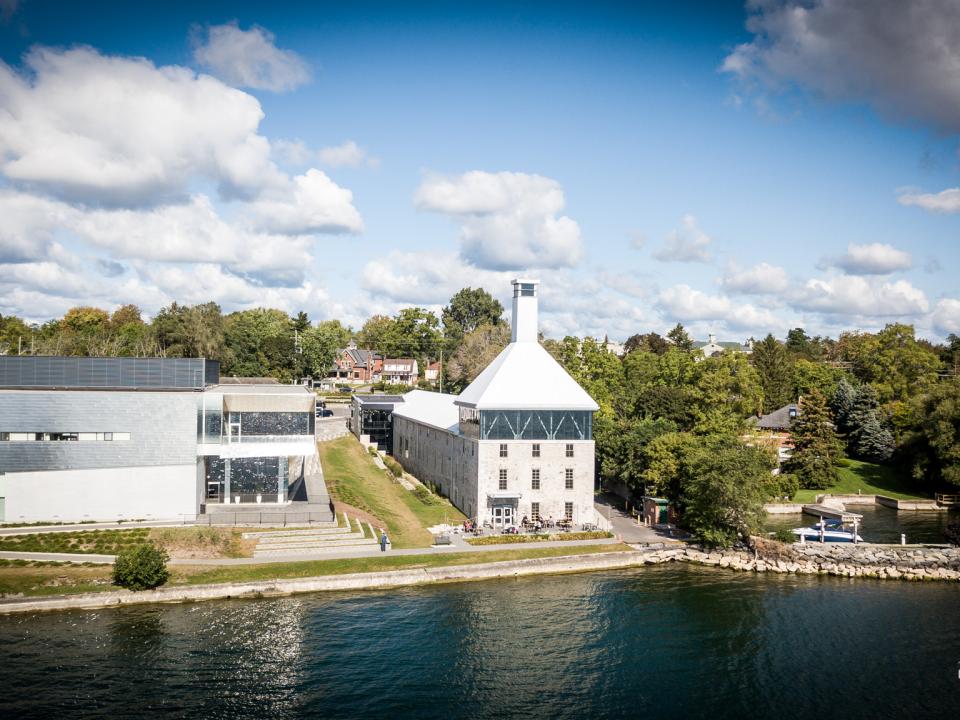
[(161, 492)]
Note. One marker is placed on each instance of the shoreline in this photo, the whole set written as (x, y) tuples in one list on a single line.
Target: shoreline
[(870, 561)]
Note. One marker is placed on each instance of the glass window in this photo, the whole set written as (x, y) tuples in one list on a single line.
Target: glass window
[(568, 510), (108, 436), (535, 425), (569, 449), (38, 437), (536, 450), (503, 478), (4, 436), (503, 450), (535, 479), (568, 479), (535, 510)]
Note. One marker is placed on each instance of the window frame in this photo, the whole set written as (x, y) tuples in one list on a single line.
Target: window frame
[(568, 479), (569, 450)]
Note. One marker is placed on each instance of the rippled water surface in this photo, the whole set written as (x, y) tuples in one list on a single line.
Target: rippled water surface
[(671, 641)]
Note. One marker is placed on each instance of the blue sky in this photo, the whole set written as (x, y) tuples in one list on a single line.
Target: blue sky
[(741, 170)]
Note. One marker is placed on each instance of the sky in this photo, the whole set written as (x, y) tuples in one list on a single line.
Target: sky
[(742, 169)]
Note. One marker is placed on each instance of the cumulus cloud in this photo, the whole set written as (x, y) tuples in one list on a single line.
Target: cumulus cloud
[(854, 295), (427, 278), (28, 226), (871, 259), (250, 58), (684, 303), (686, 243), (347, 153), (762, 279), (507, 220), (945, 201), (308, 203), (900, 57), (946, 316)]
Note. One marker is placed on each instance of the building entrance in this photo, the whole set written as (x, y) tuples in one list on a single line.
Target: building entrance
[(504, 516)]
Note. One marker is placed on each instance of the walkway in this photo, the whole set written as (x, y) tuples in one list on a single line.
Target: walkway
[(624, 525)]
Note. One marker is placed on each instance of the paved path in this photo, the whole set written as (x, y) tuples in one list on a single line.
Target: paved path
[(626, 525), (372, 552)]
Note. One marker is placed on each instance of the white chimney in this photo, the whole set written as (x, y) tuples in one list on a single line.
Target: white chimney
[(712, 338), (524, 310)]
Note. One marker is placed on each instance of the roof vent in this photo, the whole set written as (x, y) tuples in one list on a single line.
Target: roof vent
[(524, 310)]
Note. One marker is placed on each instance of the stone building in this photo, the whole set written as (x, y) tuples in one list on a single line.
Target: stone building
[(517, 442)]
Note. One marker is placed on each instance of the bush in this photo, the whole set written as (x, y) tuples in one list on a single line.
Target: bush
[(141, 567), (783, 535), (424, 495), (372, 449), (393, 466)]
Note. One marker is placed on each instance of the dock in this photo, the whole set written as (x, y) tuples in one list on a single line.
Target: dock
[(832, 513)]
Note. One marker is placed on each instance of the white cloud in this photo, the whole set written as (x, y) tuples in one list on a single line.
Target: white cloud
[(945, 201), (946, 316), (686, 243), (347, 153), (854, 295), (901, 57), (425, 278), (28, 225), (762, 279), (308, 203), (871, 259), (685, 304), (291, 152), (507, 220), (250, 58)]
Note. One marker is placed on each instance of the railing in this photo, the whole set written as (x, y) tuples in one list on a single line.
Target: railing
[(273, 518), (947, 499)]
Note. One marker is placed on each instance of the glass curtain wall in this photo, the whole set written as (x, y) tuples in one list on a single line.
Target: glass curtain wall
[(535, 425), (247, 478)]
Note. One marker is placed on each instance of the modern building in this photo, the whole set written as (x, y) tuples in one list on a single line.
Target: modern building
[(371, 419), (518, 441), (156, 438)]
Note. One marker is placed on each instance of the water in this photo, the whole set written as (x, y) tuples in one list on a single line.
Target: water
[(665, 641), (881, 524)]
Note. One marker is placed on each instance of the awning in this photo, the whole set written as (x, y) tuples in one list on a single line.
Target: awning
[(504, 496)]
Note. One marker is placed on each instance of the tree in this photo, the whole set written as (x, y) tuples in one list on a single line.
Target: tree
[(414, 332), (261, 344), (726, 382), (844, 400), (373, 332), (809, 375), (141, 567), (621, 446), (469, 309), (815, 444), (320, 345), (680, 339), (772, 363), (932, 444), (125, 315), (476, 351), (893, 361), (867, 434), (648, 342)]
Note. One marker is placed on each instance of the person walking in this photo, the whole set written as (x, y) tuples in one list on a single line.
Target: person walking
[(383, 542)]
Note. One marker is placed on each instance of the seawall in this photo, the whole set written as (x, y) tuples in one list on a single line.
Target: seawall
[(865, 560)]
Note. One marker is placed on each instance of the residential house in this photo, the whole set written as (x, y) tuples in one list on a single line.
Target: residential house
[(773, 430), (400, 371), (357, 366), (432, 373)]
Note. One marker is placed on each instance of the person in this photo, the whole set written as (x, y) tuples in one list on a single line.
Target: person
[(383, 542), (525, 521)]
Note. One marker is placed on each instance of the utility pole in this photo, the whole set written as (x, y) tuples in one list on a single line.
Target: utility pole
[(440, 371)]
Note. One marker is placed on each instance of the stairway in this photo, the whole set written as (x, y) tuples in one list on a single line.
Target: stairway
[(320, 540)]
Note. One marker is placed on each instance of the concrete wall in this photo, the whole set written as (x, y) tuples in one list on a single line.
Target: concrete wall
[(155, 492)]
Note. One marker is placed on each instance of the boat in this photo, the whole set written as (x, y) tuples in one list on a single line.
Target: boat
[(828, 530)]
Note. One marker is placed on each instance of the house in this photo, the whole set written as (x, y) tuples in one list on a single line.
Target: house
[(432, 373), (711, 347), (614, 347), (400, 371), (356, 366), (517, 442), (773, 430), (85, 438)]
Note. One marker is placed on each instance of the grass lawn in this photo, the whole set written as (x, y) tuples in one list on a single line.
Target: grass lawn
[(179, 542), (354, 479), (63, 579), (868, 478)]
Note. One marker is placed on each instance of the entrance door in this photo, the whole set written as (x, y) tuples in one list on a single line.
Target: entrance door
[(214, 491), (503, 515)]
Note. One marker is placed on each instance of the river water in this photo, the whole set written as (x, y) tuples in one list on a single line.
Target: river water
[(665, 641), (881, 524)]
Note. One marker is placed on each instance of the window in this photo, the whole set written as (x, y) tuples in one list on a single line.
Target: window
[(503, 450), (38, 437), (568, 479), (536, 450), (503, 478), (535, 479), (569, 449), (108, 436), (535, 511), (568, 510), (4, 436)]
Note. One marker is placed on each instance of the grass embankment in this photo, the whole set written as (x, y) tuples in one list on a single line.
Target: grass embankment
[(353, 479), (32, 580), (521, 539), (868, 478), (179, 542)]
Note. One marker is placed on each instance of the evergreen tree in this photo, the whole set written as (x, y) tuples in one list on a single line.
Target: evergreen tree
[(772, 363), (869, 438), (815, 444), (680, 339), (844, 400)]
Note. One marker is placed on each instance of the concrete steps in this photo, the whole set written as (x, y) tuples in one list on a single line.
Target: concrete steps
[(315, 541)]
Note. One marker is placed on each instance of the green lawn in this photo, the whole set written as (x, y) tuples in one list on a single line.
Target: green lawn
[(178, 541), (354, 479), (868, 478), (33, 580)]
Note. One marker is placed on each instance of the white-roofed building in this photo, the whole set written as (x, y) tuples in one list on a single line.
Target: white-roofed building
[(517, 442)]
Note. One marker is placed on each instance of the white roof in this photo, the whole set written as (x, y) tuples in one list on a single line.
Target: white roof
[(430, 408), (525, 377)]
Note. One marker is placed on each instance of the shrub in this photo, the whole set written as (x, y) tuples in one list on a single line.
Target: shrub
[(393, 466), (372, 449), (141, 567), (783, 535), (425, 496)]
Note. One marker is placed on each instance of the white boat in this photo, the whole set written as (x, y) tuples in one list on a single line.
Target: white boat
[(828, 530)]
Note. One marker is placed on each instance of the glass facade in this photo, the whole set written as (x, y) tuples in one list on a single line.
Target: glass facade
[(276, 423), (215, 426), (247, 478), (527, 424)]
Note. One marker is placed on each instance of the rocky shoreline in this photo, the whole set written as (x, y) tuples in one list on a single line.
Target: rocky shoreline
[(839, 559)]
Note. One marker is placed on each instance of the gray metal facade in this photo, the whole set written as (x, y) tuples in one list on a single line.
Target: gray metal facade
[(162, 427), (40, 371)]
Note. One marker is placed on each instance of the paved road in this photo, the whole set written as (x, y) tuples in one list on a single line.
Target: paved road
[(626, 525)]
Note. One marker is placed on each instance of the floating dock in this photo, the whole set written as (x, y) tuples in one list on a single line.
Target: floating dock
[(832, 513)]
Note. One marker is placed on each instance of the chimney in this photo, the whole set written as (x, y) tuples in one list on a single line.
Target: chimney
[(712, 338), (524, 310)]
